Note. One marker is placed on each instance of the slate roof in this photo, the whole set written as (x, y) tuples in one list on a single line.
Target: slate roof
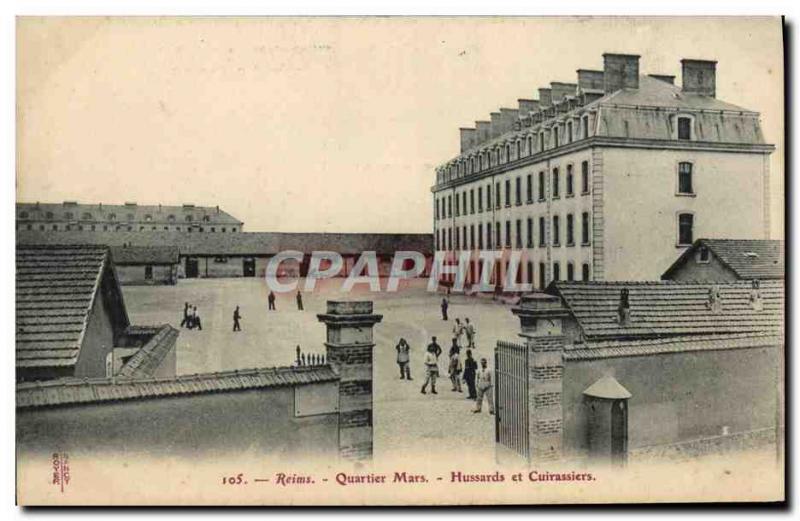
[(55, 290), (643, 347), (148, 359), (748, 259), (64, 392), (145, 255), (665, 308), (242, 243), (124, 213)]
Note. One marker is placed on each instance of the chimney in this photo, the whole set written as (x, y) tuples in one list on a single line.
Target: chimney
[(495, 128), (508, 116), (561, 90), (624, 309), (217, 208), (526, 106), (620, 71), (467, 138), (545, 98), (699, 77), (666, 78), (483, 130), (590, 80)]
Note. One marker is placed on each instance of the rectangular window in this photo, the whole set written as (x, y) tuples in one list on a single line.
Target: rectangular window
[(488, 197), (450, 239), (530, 188), (570, 230), (480, 237), (449, 205), (436, 209), (542, 231), (458, 205), (585, 177), (497, 237), (508, 234), (472, 201), (480, 199), (488, 235), (518, 186), (569, 132), (497, 195), (585, 271), (556, 240), (570, 271), (556, 271), (554, 189), (542, 275), (685, 178), (541, 141), (530, 232), (685, 128), (464, 201), (458, 238), (570, 188), (508, 192), (585, 127), (436, 239), (685, 229), (519, 234), (555, 137), (585, 228), (541, 186), (471, 236)]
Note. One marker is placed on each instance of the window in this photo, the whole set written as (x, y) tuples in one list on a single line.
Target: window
[(48, 216), (171, 218), (555, 137), (685, 178), (472, 201), (464, 201), (23, 215), (471, 236), (530, 188), (569, 132), (449, 205), (148, 218), (488, 197), (449, 238), (541, 141), (555, 187), (508, 192), (497, 194), (464, 244), (570, 271), (480, 199), (585, 177), (519, 234), (570, 188), (497, 238), (68, 216), (112, 217), (570, 230), (542, 231), (488, 235), (585, 228), (530, 233), (530, 145), (130, 217), (685, 229), (518, 186), (556, 231), (703, 255), (436, 209), (86, 216), (508, 153), (556, 271), (480, 237), (458, 205), (55, 227), (685, 128), (585, 127), (541, 186), (458, 238), (508, 234), (529, 278), (148, 273), (585, 271), (542, 281), (188, 218), (519, 149)]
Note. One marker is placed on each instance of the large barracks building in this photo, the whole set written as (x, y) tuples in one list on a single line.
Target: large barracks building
[(608, 178)]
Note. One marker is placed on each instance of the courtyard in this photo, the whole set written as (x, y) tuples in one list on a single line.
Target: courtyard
[(406, 423)]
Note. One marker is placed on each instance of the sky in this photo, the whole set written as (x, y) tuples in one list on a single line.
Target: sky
[(323, 124)]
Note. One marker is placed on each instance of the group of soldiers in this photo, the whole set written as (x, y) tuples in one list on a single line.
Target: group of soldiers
[(191, 319), (478, 378)]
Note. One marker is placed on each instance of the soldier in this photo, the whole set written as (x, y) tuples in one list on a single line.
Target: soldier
[(485, 385), (444, 308), (454, 368), (469, 329), (402, 348), (271, 300), (431, 370), (236, 317), (437, 350), (299, 301), (470, 369), (185, 321), (196, 319)]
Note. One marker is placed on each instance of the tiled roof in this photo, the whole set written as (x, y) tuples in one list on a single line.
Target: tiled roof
[(671, 308), (643, 347), (55, 290), (123, 213), (148, 359), (73, 391), (748, 259), (242, 243), (145, 254)]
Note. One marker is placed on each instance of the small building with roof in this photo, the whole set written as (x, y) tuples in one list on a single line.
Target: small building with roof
[(71, 320), (146, 265), (729, 260), (639, 369)]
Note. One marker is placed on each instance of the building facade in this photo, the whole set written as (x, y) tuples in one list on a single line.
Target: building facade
[(605, 179), (128, 217)]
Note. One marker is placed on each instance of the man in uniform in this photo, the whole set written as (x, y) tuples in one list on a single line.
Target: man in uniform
[(485, 388), (236, 317)]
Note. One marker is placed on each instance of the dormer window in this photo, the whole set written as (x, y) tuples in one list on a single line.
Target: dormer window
[(684, 127), (585, 127), (703, 255)]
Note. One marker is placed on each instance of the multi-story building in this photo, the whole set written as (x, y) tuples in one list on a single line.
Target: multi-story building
[(72, 216), (609, 178)]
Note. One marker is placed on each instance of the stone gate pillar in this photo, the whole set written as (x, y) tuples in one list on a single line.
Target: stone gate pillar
[(349, 344)]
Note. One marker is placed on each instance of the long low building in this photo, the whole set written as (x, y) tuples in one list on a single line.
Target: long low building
[(242, 254)]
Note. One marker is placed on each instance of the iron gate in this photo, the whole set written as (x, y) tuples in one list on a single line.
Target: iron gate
[(511, 389)]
